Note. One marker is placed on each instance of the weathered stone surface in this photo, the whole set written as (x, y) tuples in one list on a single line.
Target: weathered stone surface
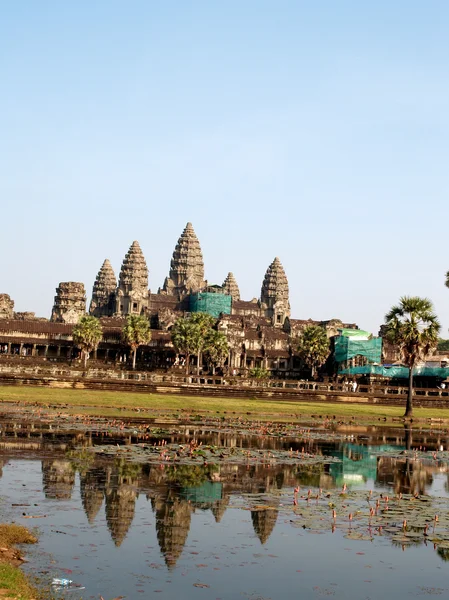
[(230, 287), (27, 316), (103, 292), (186, 267), (70, 302), (132, 291), (6, 307), (275, 294)]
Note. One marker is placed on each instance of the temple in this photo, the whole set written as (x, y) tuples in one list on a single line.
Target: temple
[(260, 331)]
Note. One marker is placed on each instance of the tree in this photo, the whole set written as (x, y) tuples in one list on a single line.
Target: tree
[(87, 334), (443, 345), (446, 283), (185, 336), (215, 348), (205, 323), (189, 335), (413, 327), (136, 332), (313, 347)]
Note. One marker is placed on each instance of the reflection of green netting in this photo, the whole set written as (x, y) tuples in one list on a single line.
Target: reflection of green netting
[(348, 347), (213, 304), (397, 372), (209, 491)]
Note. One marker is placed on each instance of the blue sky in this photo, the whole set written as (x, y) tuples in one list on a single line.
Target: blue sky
[(312, 131)]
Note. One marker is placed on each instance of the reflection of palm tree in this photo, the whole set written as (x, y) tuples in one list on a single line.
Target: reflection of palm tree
[(92, 488), (411, 477), (443, 553), (408, 431)]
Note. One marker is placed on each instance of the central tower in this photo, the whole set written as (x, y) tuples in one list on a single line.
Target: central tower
[(186, 274), (132, 290)]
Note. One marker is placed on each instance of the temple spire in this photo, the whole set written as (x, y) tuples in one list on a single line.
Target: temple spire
[(275, 294), (186, 268), (103, 292), (230, 286), (132, 291)]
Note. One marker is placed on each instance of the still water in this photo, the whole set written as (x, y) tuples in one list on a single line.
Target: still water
[(230, 531)]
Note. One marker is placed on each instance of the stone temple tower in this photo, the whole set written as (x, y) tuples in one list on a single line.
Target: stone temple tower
[(230, 286), (274, 295), (132, 291), (186, 268), (70, 303), (103, 292)]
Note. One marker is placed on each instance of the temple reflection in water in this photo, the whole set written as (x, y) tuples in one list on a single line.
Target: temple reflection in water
[(110, 488)]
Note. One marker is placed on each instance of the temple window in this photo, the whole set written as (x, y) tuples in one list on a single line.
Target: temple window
[(135, 306)]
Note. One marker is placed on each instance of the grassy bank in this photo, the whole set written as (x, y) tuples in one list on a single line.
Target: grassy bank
[(113, 404), (13, 583)]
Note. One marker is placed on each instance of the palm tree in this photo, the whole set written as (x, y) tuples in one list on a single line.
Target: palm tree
[(446, 283), (189, 335), (205, 323), (313, 347), (413, 327), (87, 334), (185, 336), (136, 332), (216, 348)]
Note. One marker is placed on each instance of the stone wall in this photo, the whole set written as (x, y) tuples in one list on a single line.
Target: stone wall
[(6, 307)]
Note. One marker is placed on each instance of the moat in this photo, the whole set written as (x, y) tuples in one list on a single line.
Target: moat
[(230, 509)]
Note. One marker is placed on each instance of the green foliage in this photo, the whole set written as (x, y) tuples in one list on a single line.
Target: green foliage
[(136, 332), (204, 321), (446, 283), (190, 475), (189, 334), (313, 346), (87, 334), (82, 460), (259, 373), (185, 336), (216, 347), (443, 345), (413, 327), (13, 580), (126, 469), (11, 577)]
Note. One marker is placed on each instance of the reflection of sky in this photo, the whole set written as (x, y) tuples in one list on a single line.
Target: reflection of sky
[(226, 556)]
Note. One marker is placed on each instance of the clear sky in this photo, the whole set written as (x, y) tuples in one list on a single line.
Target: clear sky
[(314, 131)]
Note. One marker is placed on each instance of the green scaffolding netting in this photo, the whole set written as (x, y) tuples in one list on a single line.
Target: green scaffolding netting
[(355, 333), (397, 372), (349, 347), (211, 303)]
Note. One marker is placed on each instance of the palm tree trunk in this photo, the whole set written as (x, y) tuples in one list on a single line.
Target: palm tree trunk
[(85, 358), (409, 405), (198, 359), (187, 363), (134, 358), (408, 437)]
